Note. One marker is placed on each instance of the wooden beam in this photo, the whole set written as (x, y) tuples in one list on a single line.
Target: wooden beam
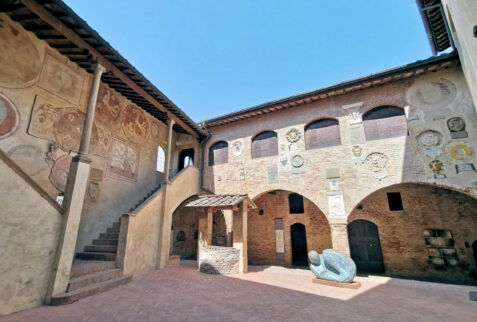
[(72, 36)]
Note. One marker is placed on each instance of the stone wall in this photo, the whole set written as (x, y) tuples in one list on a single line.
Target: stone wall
[(218, 260), (402, 232), (185, 220), (261, 228)]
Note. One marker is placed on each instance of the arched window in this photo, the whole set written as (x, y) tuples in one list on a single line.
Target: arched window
[(219, 153), (161, 159), (186, 158), (384, 122), (264, 144), (296, 203), (322, 133)]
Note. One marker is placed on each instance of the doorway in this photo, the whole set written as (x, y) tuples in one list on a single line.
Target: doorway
[(186, 158), (365, 246), (298, 241)]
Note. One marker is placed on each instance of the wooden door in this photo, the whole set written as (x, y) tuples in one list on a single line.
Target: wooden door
[(299, 249), (365, 247)]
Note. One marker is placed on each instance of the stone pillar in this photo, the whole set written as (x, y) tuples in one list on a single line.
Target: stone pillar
[(240, 236), (228, 216), (167, 165), (73, 201), (165, 220), (339, 236), (89, 117), (204, 230)]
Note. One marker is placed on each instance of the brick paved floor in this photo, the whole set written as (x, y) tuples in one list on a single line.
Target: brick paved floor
[(265, 294)]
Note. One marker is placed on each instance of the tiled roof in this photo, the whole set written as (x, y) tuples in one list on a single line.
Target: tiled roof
[(217, 201)]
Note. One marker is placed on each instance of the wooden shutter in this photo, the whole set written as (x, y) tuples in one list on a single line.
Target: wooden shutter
[(384, 122), (219, 153), (322, 133), (265, 144)]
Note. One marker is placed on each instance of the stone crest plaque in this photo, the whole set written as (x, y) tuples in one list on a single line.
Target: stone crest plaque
[(336, 205), (272, 175), (237, 148), (456, 127), (376, 161), (293, 135)]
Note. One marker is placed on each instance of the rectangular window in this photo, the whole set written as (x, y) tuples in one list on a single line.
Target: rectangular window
[(395, 201), (296, 203)]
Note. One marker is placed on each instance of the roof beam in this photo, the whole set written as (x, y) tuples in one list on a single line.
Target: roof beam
[(72, 36)]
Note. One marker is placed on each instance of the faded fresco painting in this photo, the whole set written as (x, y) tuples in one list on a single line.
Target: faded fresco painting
[(20, 60), (108, 106), (155, 129), (43, 116), (59, 172), (61, 80), (9, 117), (68, 129), (135, 124), (123, 161)]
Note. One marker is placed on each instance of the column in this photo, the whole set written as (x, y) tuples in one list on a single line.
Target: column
[(167, 165), (228, 216), (204, 230), (240, 236), (74, 196), (165, 220), (339, 236)]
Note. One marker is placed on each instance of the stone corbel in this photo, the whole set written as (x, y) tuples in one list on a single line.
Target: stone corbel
[(353, 110)]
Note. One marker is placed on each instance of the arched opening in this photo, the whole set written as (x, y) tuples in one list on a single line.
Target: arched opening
[(184, 232), (218, 153), (270, 233), (299, 248), (264, 144), (322, 133), (428, 236), (384, 122), (161, 159), (365, 247), (186, 158)]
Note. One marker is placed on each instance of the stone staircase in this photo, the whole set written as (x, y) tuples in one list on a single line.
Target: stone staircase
[(94, 270)]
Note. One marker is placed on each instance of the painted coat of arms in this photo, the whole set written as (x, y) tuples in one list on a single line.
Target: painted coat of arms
[(293, 135)]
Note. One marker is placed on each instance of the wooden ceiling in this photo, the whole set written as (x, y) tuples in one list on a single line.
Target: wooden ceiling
[(55, 23)]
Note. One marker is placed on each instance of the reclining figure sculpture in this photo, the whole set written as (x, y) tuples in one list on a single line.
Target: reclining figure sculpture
[(332, 266)]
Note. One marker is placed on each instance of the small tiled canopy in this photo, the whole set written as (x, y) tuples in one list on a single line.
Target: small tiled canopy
[(220, 201)]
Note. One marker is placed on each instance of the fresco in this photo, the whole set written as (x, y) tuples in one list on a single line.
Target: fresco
[(9, 117), (59, 172), (123, 161), (20, 61), (43, 116), (108, 106), (135, 124), (155, 129), (61, 80)]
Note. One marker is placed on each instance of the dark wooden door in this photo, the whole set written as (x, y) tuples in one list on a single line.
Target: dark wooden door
[(299, 249), (365, 247)]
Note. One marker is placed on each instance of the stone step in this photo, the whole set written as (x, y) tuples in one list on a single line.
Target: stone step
[(96, 256), (97, 277), (85, 267), (70, 297), (117, 224), (109, 236), (105, 241), (112, 230), (101, 248)]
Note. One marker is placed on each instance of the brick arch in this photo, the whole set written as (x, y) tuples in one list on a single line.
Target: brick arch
[(261, 227), (403, 234)]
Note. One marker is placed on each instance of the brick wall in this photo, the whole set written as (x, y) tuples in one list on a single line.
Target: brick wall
[(219, 260), (401, 232), (261, 228), (186, 220)]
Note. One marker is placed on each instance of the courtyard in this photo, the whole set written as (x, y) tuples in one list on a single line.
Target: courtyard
[(272, 293)]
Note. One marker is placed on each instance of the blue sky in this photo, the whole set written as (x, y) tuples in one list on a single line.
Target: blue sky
[(212, 57)]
